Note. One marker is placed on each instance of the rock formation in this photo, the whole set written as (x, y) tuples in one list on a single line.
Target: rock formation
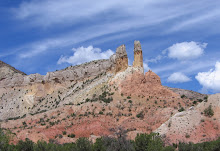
[(152, 78), (138, 57), (121, 59), (8, 71), (92, 99), (90, 69), (145, 85)]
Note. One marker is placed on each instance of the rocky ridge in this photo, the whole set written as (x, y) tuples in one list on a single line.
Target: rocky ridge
[(8, 71), (90, 100), (71, 73)]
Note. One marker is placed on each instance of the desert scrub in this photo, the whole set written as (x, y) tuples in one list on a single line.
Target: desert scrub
[(71, 135), (183, 96), (209, 111), (140, 115), (181, 109)]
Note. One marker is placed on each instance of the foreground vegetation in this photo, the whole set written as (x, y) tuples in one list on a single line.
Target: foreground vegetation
[(142, 142)]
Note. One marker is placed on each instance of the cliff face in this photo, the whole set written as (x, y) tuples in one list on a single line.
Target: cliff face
[(23, 94), (145, 85), (71, 73), (121, 59), (138, 57)]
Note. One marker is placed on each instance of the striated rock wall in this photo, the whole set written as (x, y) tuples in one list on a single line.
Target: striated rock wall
[(23, 94), (138, 57), (71, 73)]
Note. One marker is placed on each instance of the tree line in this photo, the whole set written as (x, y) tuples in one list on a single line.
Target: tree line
[(142, 142)]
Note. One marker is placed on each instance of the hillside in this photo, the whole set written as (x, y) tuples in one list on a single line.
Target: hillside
[(8, 71), (93, 100), (197, 124)]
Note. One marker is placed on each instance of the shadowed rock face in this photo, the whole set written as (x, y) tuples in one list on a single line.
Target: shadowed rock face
[(138, 57), (121, 59)]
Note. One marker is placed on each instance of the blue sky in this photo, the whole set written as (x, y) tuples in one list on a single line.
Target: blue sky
[(180, 39)]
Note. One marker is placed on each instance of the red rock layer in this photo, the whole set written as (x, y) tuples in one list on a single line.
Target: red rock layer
[(145, 85)]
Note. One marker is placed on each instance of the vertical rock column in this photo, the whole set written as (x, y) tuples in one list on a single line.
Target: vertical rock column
[(138, 57), (121, 59)]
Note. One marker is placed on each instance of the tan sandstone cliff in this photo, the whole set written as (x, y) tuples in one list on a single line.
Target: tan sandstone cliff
[(121, 59), (138, 57)]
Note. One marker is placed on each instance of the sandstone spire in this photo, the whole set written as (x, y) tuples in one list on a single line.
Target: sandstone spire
[(138, 57), (121, 59)]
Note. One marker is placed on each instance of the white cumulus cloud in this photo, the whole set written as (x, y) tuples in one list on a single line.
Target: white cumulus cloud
[(85, 54), (178, 77), (186, 50), (146, 67), (210, 80)]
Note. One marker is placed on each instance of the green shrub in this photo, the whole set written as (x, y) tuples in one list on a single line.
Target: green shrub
[(99, 145), (83, 144), (148, 142), (60, 136), (140, 115), (26, 145), (206, 98), (64, 132), (87, 100), (71, 135), (100, 112), (4, 140), (209, 111), (181, 109), (183, 96), (195, 102), (130, 101), (200, 100)]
